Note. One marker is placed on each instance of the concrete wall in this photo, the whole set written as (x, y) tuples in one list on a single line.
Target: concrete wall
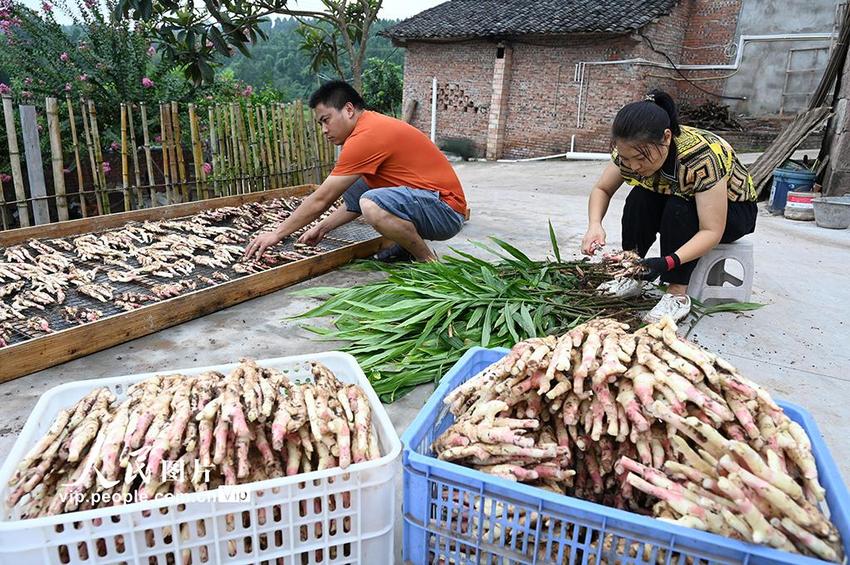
[(761, 76)]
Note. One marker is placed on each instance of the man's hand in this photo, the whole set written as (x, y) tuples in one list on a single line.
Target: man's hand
[(655, 266), (312, 236), (593, 239), (260, 243)]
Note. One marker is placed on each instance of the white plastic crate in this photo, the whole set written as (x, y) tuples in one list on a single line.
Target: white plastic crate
[(331, 516)]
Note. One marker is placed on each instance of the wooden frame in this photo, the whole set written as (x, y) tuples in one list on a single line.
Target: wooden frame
[(55, 348)]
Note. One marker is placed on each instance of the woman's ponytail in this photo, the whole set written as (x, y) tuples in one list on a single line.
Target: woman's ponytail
[(664, 100), (645, 121)]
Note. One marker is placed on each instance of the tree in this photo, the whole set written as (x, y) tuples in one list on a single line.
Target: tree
[(191, 33), (347, 33), (383, 85), (106, 61)]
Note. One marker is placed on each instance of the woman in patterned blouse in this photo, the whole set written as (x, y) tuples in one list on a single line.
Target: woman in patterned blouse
[(688, 186)]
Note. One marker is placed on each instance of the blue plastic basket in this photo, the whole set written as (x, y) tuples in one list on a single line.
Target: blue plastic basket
[(448, 508)]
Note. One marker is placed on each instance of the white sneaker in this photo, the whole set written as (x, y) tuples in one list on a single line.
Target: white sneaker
[(674, 306), (621, 288)]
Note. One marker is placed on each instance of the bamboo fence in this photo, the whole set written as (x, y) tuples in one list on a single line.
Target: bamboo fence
[(186, 154)]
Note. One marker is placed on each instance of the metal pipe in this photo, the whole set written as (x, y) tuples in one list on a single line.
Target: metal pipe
[(434, 110), (742, 41), (570, 156)]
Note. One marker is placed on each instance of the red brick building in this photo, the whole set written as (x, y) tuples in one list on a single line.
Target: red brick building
[(525, 78)]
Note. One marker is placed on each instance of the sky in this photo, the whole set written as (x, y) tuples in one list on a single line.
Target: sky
[(392, 9)]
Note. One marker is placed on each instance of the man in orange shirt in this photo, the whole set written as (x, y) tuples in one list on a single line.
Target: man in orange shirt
[(388, 171)]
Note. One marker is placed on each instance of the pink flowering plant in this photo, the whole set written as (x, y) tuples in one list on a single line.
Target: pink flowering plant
[(98, 57)]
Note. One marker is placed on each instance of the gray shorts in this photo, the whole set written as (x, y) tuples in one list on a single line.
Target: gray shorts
[(434, 219)]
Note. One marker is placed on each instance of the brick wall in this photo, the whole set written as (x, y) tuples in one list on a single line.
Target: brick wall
[(542, 109), (543, 95), (464, 81), (696, 33)]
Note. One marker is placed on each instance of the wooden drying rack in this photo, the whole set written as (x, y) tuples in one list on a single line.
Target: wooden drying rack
[(23, 358)]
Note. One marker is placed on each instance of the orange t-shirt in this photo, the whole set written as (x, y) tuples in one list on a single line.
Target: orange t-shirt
[(389, 152)]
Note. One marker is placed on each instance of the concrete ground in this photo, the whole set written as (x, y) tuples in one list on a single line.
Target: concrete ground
[(797, 345)]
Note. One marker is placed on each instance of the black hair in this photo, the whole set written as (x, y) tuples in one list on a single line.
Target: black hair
[(336, 93), (645, 121)]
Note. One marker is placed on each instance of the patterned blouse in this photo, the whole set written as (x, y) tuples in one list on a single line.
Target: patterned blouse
[(702, 160)]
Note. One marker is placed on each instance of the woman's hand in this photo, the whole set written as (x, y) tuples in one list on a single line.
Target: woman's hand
[(593, 239)]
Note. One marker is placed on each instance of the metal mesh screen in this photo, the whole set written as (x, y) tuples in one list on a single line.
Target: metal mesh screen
[(57, 319)]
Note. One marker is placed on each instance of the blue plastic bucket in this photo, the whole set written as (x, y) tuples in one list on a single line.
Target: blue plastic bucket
[(785, 181)]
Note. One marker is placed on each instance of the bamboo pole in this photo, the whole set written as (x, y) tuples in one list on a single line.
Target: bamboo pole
[(262, 140), (295, 153), (222, 173), (177, 139), (125, 165), (314, 143), (146, 139), (15, 161), (92, 160), (167, 161), (275, 148), (134, 151), (284, 135), (302, 141), (52, 111), (226, 168), (243, 148), (197, 154), (225, 159), (237, 155), (98, 152), (216, 164), (265, 149), (320, 147), (76, 145), (252, 149), (263, 119)]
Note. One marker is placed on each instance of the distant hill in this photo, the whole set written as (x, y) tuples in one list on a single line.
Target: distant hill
[(279, 63)]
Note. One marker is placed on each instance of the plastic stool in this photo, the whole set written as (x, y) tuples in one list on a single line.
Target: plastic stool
[(707, 280)]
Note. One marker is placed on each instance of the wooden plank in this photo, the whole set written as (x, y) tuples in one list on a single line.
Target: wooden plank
[(409, 109), (74, 227), (56, 158), (75, 142), (59, 347), (15, 160), (785, 145), (35, 166)]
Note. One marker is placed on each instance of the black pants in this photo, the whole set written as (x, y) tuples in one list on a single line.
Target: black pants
[(648, 213)]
